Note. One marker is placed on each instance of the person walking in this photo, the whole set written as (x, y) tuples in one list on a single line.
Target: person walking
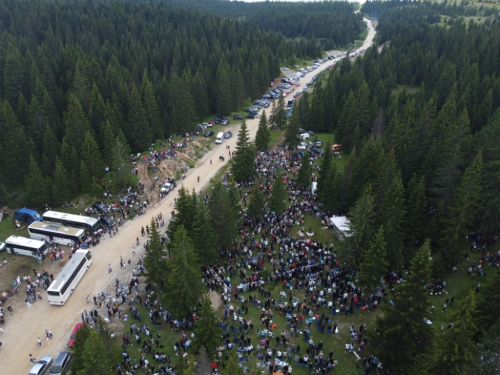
[(28, 303), (109, 268), (88, 299), (39, 342)]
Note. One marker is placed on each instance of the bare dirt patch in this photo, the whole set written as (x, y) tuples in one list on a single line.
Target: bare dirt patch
[(215, 299)]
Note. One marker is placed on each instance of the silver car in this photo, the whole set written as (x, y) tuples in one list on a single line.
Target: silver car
[(42, 366)]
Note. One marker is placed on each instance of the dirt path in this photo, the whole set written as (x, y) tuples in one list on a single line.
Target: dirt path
[(144, 178), (26, 325)]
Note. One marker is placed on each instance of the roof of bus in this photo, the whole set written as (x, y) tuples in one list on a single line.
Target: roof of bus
[(64, 215), (56, 228), (24, 241), (62, 277)]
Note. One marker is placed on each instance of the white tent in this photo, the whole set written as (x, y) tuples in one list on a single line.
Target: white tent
[(341, 226)]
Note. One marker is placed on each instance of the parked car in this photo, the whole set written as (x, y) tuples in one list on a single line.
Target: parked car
[(100, 207), (128, 198), (251, 116), (208, 133), (72, 338), (2, 246), (226, 122), (319, 143), (61, 363), (238, 117), (167, 186), (107, 221), (42, 366), (228, 134)]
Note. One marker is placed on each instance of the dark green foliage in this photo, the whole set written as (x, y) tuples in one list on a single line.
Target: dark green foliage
[(488, 304), (375, 265), (36, 187), (263, 135), (206, 329), (243, 158), (305, 172), (203, 235), (257, 203), (292, 130), (155, 259), (224, 217), (186, 207), (278, 199), (183, 288), (402, 336), (78, 358), (456, 349)]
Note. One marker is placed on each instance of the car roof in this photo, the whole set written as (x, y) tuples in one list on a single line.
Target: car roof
[(77, 327), (36, 368)]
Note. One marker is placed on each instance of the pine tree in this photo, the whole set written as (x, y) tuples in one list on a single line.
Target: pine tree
[(415, 213), (402, 337), (305, 172), (76, 124), (138, 129), (97, 361), (183, 281), (151, 109), (232, 366), (186, 206), (222, 89), (292, 131), (203, 235), (280, 117), (462, 210), (78, 357), (154, 261), (488, 304), (224, 218), (36, 193), (91, 156), (375, 265), (15, 146), (456, 347), (278, 198), (323, 182), (263, 135), (206, 329), (257, 204), (362, 226), (120, 161), (243, 158), (85, 178), (60, 189)]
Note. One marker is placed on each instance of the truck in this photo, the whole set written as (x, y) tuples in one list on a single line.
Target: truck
[(27, 215)]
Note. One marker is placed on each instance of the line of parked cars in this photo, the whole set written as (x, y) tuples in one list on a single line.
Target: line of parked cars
[(57, 367)]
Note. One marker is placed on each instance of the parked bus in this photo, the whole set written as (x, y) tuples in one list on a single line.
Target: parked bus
[(65, 283), (25, 246), (48, 232), (89, 224)]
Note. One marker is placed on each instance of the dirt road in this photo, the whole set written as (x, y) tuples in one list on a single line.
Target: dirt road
[(25, 326)]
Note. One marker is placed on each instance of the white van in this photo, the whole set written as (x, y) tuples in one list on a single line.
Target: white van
[(220, 138)]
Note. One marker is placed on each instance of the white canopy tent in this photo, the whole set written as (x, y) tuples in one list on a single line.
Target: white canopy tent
[(341, 227)]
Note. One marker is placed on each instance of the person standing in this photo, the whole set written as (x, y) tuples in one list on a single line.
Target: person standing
[(38, 341), (109, 268)]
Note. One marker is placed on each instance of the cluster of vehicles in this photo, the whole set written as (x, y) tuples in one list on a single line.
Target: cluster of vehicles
[(56, 367)]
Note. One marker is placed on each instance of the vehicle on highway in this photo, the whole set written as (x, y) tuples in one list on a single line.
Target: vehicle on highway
[(72, 338), (65, 283)]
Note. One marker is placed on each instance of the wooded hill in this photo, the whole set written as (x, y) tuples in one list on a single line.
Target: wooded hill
[(421, 121), (76, 75), (320, 25)]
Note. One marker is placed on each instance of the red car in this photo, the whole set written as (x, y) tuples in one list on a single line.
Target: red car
[(72, 338)]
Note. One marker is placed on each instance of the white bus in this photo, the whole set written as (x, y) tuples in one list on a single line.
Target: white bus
[(65, 283), (48, 232), (89, 224), (25, 246)]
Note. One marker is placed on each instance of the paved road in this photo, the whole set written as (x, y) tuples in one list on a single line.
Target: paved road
[(22, 329)]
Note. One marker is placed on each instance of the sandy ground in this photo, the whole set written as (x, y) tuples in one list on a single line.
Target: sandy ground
[(22, 329)]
